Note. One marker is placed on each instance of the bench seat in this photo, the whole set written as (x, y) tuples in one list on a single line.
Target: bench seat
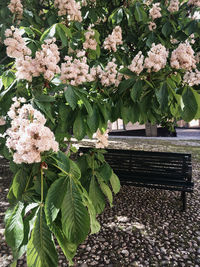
[(161, 170)]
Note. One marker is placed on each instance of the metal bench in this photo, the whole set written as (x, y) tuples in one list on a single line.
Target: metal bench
[(161, 170)]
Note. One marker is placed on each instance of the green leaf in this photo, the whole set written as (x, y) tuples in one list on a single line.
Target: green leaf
[(69, 249), (45, 107), (162, 96), (197, 97), (7, 78), (177, 78), (74, 170), (49, 33), (136, 91), (115, 183), (14, 231), (166, 29), (93, 120), (79, 126), (55, 198), (45, 98), (19, 183), (139, 13), (125, 84), (60, 30), (96, 196), (71, 97), (13, 264), (117, 16), (105, 172), (41, 250), (63, 161), (107, 192), (75, 217), (5, 92), (127, 72), (85, 102), (190, 105)]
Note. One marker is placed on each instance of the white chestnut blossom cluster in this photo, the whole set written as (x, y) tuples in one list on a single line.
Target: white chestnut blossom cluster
[(183, 57), (194, 3), (173, 40), (137, 64), (45, 62), (2, 121), (197, 57), (152, 25), (110, 75), (102, 139), (192, 77), (157, 58), (191, 39), (196, 15), (113, 39), (71, 8), (90, 41), (154, 12), (28, 137), (16, 8), (76, 71), (16, 46), (173, 6), (47, 59)]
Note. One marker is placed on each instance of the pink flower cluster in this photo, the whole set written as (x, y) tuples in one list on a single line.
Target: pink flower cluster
[(16, 46), (70, 8), (113, 39), (183, 57), (16, 7), (154, 12), (45, 62), (152, 26), (28, 137), (76, 71), (173, 6), (2, 121), (137, 64), (90, 42), (173, 40), (197, 57), (196, 15), (192, 77), (48, 58), (157, 58), (102, 139), (109, 76), (194, 3)]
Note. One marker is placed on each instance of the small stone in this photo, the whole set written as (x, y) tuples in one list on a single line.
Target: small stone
[(122, 219), (94, 263), (125, 252)]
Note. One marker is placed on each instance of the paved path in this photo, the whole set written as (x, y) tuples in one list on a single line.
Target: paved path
[(182, 134)]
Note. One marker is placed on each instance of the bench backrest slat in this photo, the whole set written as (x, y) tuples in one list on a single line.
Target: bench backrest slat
[(166, 166)]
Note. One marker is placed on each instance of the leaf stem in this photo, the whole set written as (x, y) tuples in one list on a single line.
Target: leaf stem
[(42, 185)]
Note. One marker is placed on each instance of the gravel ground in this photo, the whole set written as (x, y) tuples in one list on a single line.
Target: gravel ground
[(145, 228)]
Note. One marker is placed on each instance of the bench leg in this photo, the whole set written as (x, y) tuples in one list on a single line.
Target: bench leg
[(183, 197)]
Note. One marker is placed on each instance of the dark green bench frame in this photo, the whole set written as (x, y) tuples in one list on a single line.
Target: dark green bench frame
[(160, 170)]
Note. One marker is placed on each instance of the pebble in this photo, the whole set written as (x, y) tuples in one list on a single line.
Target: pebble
[(125, 252)]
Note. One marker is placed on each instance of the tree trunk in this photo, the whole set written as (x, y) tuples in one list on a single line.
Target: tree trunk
[(151, 129)]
